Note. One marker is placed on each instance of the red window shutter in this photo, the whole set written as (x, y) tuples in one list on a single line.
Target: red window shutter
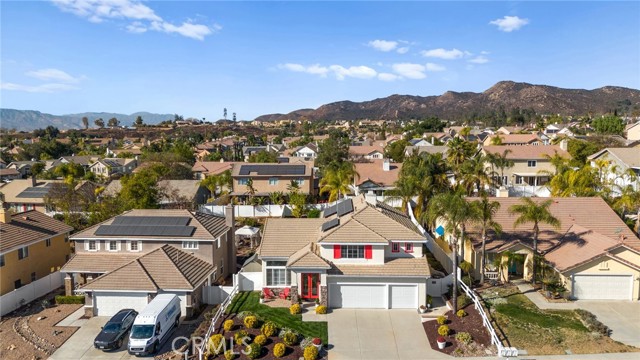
[(337, 253), (368, 252)]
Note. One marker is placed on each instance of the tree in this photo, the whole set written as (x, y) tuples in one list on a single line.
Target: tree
[(486, 210), (580, 150), (224, 113), (336, 180), (333, 150), (99, 122), (473, 174), (298, 202), (264, 157), (395, 150), (113, 122), (530, 211), (501, 161), (571, 183), (140, 190), (234, 117), (85, 122), (276, 198), (459, 151), (628, 202), (608, 125), (139, 121)]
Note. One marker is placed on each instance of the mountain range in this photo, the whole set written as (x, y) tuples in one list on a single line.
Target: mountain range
[(25, 120)]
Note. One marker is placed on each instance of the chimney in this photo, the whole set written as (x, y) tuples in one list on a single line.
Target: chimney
[(502, 192), (563, 144), (386, 166), (433, 140), (5, 213), (34, 182), (229, 217)]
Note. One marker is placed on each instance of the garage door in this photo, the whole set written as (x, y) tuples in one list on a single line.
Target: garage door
[(404, 296), (108, 304), (602, 287), (357, 296)]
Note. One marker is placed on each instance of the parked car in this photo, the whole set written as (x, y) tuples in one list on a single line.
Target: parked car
[(154, 324), (115, 330)]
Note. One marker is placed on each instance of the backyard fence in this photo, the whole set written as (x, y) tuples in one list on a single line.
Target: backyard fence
[(433, 247), (221, 310), (27, 293)]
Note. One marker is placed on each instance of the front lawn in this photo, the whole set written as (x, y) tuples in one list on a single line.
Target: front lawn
[(250, 301), (544, 332)]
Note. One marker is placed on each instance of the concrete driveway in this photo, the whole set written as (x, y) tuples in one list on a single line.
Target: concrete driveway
[(622, 317), (356, 334)]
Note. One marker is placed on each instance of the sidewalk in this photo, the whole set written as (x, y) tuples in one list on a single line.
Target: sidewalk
[(74, 319), (527, 290)]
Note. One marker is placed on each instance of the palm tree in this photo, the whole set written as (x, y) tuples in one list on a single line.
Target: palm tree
[(459, 151), (473, 174), (293, 186), (581, 182), (337, 179), (276, 198), (486, 210), (501, 161), (405, 188), (533, 212), (628, 201)]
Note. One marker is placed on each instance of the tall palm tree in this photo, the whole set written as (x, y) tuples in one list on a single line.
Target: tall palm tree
[(474, 174), (459, 150), (628, 201), (530, 211), (486, 210), (405, 188), (337, 179), (581, 182), (501, 161)]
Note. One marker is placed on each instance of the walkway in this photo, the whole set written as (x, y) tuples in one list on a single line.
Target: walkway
[(527, 290)]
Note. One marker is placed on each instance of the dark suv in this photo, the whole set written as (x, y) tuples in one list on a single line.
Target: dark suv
[(114, 331)]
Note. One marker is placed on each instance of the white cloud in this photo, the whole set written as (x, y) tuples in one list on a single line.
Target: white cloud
[(479, 60), (53, 75), (483, 52), (444, 54), (434, 67), (410, 71), (383, 45), (403, 50), (97, 11), (315, 69), (359, 72), (43, 88), (388, 77), (509, 23)]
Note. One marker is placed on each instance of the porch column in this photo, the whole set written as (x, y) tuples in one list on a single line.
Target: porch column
[(294, 294), (88, 304), (69, 286), (324, 293)]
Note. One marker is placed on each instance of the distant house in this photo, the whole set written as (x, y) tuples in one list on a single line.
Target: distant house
[(84, 161), (420, 142), (376, 177), (23, 167), (111, 166), (309, 151), (268, 178), (514, 139), (366, 152), (202, 169), (9, 174), (410, 150), (182, 194), (622, 166), (632, 131), (27, 194)]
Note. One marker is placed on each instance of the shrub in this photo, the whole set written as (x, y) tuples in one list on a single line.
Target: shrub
[(295, 309), (239, 335), (461, 313), (321, 310), (269, 329), (443, 330), (244, 314), (463, 301), (441, 320), (215, 345), (279, 349), (310, 353), (592, 323), (308, 341), (290, 338), (260, 340), (73, 299), (441, 339), (251, 322), (464, 337), (228, 325), (313, 213), (229, 355), (253, 351)]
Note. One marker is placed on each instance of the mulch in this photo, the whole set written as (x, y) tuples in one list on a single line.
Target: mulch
[(292, 352), (472, 323)]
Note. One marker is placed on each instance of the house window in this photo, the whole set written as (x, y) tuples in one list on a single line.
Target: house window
[(352, 251), (518, 180), (604, 265), (408, 247), (113, 245), (273, 181), (1, 260), (47, 242), (17, 284), (222, 266), (134, 246), (300, 181), (532, 163), (23, 252), (277, 274), (33, 276), (395, 247), (243, 181), (190, 245), (92, 245)]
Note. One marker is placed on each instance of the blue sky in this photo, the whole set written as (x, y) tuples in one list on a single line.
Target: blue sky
[(196, 58)]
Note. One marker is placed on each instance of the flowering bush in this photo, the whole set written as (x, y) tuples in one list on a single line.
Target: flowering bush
[(228, 325), (310, 353), (215, 345), (260, 340), (464, 337), (229, 355), (321, 310), (441, 320), (279, 349), (295, 309), (251, 322), (290, 338), (461, 313), (443, 330), (269, 329), (239, 335), (253, 351)]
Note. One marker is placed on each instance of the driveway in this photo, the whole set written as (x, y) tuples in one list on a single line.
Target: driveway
[(622, 317), (356, 334)]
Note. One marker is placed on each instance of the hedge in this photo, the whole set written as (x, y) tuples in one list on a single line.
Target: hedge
[(74, 299)]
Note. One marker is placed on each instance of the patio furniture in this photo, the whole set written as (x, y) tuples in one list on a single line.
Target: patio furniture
[(268, 294), (284, 293)]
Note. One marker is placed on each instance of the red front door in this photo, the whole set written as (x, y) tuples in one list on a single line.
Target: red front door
[(310, 286)]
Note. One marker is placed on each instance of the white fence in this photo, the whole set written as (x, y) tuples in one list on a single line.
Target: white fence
[(27, 293), (250, 281), (243, 281), (437, 252), (253, 211), (216, 317)]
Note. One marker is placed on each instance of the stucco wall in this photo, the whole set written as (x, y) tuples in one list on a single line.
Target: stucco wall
[(614, 268)]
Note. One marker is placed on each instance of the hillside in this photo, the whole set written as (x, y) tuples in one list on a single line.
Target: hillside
[(459, 105), (31, 119)]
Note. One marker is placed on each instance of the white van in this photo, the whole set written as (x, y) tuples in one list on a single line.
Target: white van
[(153, 325)]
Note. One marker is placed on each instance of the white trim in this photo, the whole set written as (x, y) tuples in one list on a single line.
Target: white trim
[(353, 243), (87, 247), (140, 239), (108, 246)]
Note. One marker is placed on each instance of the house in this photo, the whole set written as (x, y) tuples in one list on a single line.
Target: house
[(268, 178), (85, 161), (420, 142), (435, 149), (133, 150), (126, 260), (595, 254), (358, 255), (376, 177), (515, 139), (632, 131), (309, 151), (111, 166), (531, 169), (27, 194), (507, 130), (366, 152), (9, 174), (202, 169), (32, 246), (182, 194), (23, 167), (622, 166), (555, 130)]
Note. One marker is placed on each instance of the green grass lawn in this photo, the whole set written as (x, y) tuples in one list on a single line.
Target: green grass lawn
[(250, 301)]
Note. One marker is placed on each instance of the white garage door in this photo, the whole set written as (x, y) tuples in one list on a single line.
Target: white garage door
[(602, 287), (108, 304), (367, 296), (404, 296)]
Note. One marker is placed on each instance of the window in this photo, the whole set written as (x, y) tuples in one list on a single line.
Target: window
[(33, 276), (23, 252), (243, 181), (604, 265), (1, 260), (113, 245), (277, 274), (408, 247), (17, 284), (395, 247), (222, 266), (191, 245), (300, 181), (48, 242), (518, 180), (532, 163), (273, 181), (134, 246), (352, 251), (92, 245)]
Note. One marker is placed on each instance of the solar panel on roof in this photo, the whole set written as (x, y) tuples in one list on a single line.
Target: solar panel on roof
[(330, 224), (344, 207), (329, 211), (35, 192), (144, 230), (152, 220), (272, 169)]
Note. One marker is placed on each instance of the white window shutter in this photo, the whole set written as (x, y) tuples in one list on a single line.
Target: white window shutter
[(119, 247), (86, 245)]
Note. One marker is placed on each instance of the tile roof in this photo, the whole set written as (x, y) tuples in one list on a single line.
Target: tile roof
[(13, 189), (578, 246), (534, 152), (385, 226), (365, 150), (516, 138), (187, 189), (9, 172), (282, 237), (352, 231), (397, 215), (391, 267), (164, 268), (374, 172), (629, 156), (27, 227), (97, 262), (436, 149), (306, 258)]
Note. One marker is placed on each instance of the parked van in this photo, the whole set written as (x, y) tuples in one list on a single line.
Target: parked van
[(153, 325)]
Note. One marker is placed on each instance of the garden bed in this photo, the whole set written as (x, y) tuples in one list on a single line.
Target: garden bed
[(472, 324)]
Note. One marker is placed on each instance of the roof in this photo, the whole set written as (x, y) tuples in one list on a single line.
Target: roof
[(628, 156), (212, 167), (578, 246), (591, 213), (28, 227), (374, 172), (164, 268), (365, 150), (537, 152), (206, 227), (436, 149), (352, 231), (23, 191), (183, 189), (85, 262), (282, 237), (267, 170), (515, 138), (9, 172), (306, 258), (401, 267)]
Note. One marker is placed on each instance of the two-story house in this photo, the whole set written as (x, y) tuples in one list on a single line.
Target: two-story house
[(23, 167), (516, 139), (32, 246), (358, 255), (128, 259), (372, 152), (251, 179), (621, 167), (108, 167), (376, 177), (309, 151)]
